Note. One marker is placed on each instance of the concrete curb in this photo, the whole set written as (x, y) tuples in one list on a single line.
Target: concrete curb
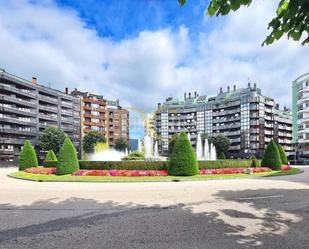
[(168, 180)]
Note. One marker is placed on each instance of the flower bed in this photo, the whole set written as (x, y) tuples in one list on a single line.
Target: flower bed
[(119, 172), (41, 170)]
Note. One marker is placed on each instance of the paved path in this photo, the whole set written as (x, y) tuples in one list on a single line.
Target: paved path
[(236, 213)]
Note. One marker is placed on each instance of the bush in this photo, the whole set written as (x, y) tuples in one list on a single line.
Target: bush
[(271, 157), (51, 156), (27, 158), (183, 159), (283, 157), (228, 163), (50, 163), (135, 155), (67, 161), (254, 162), (222, 156), (83, 164)]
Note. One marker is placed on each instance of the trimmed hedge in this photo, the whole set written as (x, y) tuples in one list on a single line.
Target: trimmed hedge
[(222, 156), (27, 158), (271, 157), (228, 163), (50, 163), (51, 156), (254, 162), (283, 156), (183, 159), (67, 161)]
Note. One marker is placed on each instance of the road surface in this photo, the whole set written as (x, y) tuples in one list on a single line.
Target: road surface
[(215, 214)]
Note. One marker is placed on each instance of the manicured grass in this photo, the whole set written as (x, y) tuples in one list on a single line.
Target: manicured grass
[(41, 177)]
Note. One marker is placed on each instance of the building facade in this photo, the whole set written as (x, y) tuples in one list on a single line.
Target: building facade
[(118, 122), (300, 110), (27, 109), (249, 119)]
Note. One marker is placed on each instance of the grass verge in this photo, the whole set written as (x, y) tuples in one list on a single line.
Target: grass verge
[(41, 177)]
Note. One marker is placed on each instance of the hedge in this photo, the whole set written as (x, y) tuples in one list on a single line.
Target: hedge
[(228, 163), (50, 163), (67, 161), (51, 156), (282, 154), (27, 158), (271, 157)]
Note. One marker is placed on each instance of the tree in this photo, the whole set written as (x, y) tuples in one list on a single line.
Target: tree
[(254, 162), (122, 144), (135, 155), (50, 156), (27, 158), (67, 159), (52, 139), (221, 142), (90, 139), (172, 142), (271, 157), (283, 156), (183, 159), (292, 17), (222, 156)]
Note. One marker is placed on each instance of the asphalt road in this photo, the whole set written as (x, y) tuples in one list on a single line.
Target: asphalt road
[(217, 214)]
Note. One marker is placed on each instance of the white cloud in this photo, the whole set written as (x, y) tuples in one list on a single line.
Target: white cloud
[(58, 47)]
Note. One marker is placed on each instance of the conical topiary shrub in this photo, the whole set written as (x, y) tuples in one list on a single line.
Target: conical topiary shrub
[(183, 159), (221, 156), (51, 156), (283, 156), (27, 158), (271, 157), (67, 159), (254, 162)]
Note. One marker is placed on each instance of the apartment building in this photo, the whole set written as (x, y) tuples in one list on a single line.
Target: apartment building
[(27, 109), (118, 122), (248, 118), (300, 110)]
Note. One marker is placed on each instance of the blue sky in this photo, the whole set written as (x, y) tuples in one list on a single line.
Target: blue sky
[(142, 51)]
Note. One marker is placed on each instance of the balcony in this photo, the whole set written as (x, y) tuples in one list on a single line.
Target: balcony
[(67, 104), (48, 99), (14, 110), (48, 108), (13, 120), (31, 132), (17, 91), (48, 117), (28, 103)]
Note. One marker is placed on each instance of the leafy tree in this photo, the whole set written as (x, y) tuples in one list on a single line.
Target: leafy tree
[(52, 139), (271, 157), (292, 17), (27, 158), (122, 144), (221, 142), (172, 142), (90, 140), (67, 159), (51, 156), (283, 156), (135, 155), (222, 156), (183, 159)]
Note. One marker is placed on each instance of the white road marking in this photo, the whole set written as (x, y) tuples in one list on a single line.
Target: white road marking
[(260, 197)]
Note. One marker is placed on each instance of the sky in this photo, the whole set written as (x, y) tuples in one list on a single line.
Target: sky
[(142, 51)]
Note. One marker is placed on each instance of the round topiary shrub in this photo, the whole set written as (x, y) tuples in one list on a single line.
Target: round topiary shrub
[(183, 159), (51, 156), (254, 162), (283, 156), (67, 159), (221, 156), (27, 158), (271, 157)]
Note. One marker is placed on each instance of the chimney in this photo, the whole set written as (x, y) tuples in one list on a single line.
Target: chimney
[(189, 95), (249, 85), (228, 89), (34, 80), (159, 105), (254, 86), (185, 96), (234, 88), (221, 91), (195, 94), (66, 90), (277, 106)]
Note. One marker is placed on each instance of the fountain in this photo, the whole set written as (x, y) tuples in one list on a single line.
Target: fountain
[(206, 150), (199, 147), (148, 144), (126, 152), (107, 155), (213, 153), (156, 150), (139, 145)]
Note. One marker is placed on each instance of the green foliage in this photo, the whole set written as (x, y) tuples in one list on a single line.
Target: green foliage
[(254, 162), (50, 156), (135, 155), (227, 163), (283, 156), (90, 140), (27, 158), (183, 159), (291, 19), (122, 144), (271, 157), (222, 156), (52, 139), (67, 160), (221, 142), (52, 163), (172, 142)]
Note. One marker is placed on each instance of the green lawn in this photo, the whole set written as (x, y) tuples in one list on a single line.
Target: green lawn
[(41, 177)]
